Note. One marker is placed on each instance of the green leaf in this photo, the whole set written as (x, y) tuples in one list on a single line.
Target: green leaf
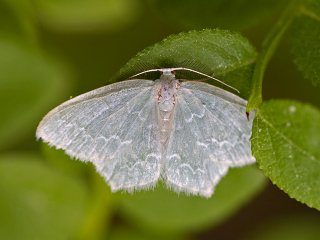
[(30, 82), (37, 202), (72, 15), (305, 40), (211, 51), (165, 211), (286, 144), (292, 226), (232, 14)]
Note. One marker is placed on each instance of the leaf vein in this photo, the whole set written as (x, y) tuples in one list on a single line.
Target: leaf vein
[(301, 150)]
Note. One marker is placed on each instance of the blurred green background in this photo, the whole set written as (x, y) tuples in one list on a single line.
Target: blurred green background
[(51, 50)]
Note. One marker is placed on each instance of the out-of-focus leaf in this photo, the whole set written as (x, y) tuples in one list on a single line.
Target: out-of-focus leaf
[(306, 41), (96, 223), (62, 161), (37, 202), (286, 144), (29, 83), (100, 204), (232, 14), (135, 234), (164, 210), (73, 15), (293, 227), (16, 19), (212, 51)]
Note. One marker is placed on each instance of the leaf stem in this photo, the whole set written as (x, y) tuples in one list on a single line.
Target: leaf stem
[(269, 46)]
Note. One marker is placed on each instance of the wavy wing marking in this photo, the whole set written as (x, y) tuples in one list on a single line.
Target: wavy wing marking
[(210, 134), (115, 128)]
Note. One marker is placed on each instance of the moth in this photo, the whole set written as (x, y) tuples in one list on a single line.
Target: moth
[(136, 132)]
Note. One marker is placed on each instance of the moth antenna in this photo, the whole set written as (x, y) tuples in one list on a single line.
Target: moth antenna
[(208, 76), (147, 71), (185, 69)]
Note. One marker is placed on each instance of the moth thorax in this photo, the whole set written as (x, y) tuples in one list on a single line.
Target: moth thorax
[(167, 94)]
